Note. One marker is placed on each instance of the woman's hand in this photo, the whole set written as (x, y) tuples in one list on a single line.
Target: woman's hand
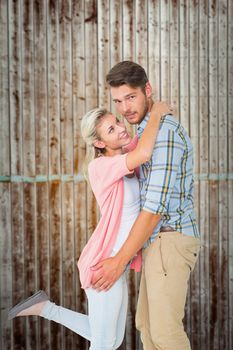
[(161, 108)]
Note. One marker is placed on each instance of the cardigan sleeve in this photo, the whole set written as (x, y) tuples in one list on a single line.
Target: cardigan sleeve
[(105, 171)]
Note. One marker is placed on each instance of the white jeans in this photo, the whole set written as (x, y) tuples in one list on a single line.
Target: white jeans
[(104, 326)]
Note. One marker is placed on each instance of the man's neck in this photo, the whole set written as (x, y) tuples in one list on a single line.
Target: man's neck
[(151, 102)]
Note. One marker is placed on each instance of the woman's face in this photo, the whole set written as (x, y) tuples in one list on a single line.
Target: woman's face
[(112, 135)]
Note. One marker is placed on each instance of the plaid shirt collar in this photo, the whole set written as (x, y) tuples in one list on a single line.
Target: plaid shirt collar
[(143, 123)]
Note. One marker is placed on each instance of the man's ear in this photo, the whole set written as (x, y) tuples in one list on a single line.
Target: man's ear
[(99, 144), (148, 90)]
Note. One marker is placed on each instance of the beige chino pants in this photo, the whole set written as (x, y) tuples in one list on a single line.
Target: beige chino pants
[(167, 264)]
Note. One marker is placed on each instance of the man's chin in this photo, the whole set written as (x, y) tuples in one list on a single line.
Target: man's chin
[(133, 121)]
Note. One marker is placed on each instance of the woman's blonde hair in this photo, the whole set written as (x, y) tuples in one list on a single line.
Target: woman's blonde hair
[(89, 133)]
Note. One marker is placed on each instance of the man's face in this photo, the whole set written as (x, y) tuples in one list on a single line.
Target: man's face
[(132, 103)]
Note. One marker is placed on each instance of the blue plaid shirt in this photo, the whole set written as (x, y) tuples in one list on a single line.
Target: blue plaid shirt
[(166, 181)]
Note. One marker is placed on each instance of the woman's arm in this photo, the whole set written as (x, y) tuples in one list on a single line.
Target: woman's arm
[(143, 151)]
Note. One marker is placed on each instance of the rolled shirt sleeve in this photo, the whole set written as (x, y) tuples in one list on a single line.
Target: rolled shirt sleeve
[(160, 173)]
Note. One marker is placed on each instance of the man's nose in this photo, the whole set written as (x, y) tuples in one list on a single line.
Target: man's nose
[(125, 106)]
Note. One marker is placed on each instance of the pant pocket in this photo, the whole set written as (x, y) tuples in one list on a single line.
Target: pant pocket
[(188, 248)]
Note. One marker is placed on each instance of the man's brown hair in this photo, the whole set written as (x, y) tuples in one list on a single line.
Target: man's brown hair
[(129, 73)]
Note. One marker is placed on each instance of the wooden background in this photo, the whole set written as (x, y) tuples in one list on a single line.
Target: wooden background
[(54, 56)]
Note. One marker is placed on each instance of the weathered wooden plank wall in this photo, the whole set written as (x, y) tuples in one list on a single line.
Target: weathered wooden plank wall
[(54, 56)]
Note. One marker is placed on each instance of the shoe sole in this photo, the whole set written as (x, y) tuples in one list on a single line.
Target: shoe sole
[(36, 298)]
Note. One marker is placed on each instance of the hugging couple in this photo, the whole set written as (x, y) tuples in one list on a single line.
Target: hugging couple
[(144, 188)]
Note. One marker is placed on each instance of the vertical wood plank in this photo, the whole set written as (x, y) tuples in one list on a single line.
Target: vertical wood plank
[(80, 214), (213, 168), (68, 283), (78, 67), (6, 265), (41, 154), (15, 87), (230, 242), (103, 52), (42, 257), (54, 141), (30, 261), (15, 107), (174, 56), (116, 40), (66, 118), (18, 270), (66, 87), (28, 88), (29, 162), (164, 58), (53, 87), (128, 30), (230, 165), (222, 168), (204, 169), (141, 32), (55, 258), (4, 92), (5, 204), (40, 86), (91, 54), (154, 47), (115, 32), (184, 63)]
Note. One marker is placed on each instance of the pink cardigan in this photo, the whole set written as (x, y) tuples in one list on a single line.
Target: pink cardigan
[(106, 179)]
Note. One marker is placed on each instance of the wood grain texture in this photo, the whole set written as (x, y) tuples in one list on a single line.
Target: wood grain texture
[(4, 92), (6, 263), (213, 168), (15, 87), (54, 59), (230, 166)]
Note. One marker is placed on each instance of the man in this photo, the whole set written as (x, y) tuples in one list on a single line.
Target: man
[(166, 225)]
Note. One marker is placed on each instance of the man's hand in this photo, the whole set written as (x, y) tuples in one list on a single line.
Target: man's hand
[(106, 273)]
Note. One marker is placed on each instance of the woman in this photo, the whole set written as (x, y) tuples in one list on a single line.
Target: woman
[(112, 177)]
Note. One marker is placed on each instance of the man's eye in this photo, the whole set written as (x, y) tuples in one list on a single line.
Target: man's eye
[(131, 97)]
